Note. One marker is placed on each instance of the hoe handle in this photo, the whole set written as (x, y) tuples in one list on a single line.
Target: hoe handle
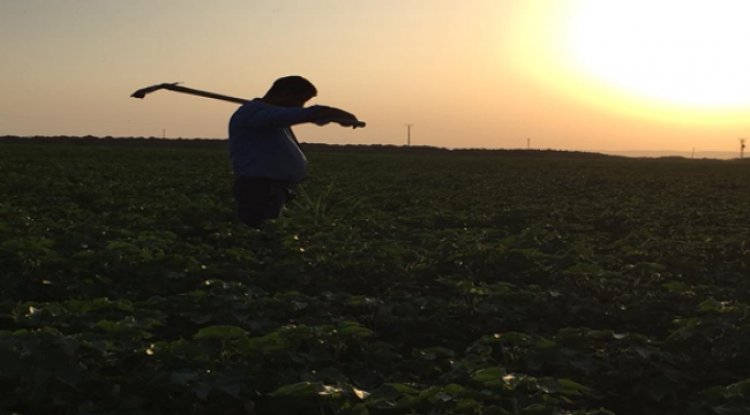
[(141, 93)]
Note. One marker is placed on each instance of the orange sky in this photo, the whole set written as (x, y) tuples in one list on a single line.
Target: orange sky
[(567, 74)]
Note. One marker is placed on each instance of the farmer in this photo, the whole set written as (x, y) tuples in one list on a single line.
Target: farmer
[(266, 157)]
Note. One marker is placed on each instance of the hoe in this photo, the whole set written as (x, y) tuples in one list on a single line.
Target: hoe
[(141, 93)]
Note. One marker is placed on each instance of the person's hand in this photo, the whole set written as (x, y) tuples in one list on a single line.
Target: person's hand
[(344, 122), (354, 123), (325, 115)]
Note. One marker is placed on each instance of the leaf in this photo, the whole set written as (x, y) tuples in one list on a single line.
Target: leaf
[(201, 390), (549, 385), (676, 287), (232, 386), (183, 377), (573, 388), (490, 374), (494, 410), (125, 327), (99, 304), (222, 332), (359, 393), (354, 329), (711, 305), (391, 392), (271, 342), (538, 409), (739, 389), (731, 410), (306, 390)]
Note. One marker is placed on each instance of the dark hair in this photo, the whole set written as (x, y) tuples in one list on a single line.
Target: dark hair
[(293, 85)]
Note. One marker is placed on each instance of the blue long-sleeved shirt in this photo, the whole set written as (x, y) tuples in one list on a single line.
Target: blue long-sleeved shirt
[(261, 143)]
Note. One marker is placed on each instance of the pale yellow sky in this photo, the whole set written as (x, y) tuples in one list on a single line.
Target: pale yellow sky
[(602, 75)]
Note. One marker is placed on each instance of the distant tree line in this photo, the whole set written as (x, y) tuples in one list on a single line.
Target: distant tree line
[(312, 147)]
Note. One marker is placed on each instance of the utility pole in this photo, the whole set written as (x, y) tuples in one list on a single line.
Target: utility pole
[(742, 147), (163, 133), (528, 143), (408, 134)]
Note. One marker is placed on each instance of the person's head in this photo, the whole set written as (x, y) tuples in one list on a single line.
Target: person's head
[(290, 91)]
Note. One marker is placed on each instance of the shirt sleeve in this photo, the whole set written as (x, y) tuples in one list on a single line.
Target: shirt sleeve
[(273, 116)]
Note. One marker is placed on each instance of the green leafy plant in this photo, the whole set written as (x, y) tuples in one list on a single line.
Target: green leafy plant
[(395, 284)]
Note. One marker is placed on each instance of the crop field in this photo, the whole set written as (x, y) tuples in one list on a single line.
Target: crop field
[(395, 283)]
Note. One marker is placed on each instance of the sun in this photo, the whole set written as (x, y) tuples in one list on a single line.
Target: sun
[(690, 54)]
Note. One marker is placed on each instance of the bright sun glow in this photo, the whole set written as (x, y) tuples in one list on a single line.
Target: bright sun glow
[(686, 53)]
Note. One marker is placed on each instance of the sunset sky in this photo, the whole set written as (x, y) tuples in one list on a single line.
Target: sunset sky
[(599, 75)]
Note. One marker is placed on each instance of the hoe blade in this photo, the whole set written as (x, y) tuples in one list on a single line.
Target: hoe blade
[(141, 93)]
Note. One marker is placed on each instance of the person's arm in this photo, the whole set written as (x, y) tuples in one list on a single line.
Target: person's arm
[(276, 116)]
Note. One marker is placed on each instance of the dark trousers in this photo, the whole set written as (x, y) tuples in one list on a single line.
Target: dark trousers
[(260, 198)]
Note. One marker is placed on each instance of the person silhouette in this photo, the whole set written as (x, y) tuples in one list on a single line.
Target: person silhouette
[(266, 157)]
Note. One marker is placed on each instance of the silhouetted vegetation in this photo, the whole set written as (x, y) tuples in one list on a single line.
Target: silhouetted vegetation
[(345, 148), (396, 284)]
